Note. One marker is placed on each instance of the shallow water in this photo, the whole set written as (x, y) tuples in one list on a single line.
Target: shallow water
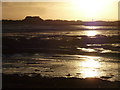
[(68, 53)]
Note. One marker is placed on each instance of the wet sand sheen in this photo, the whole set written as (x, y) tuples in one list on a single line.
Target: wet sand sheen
[(60, 59), (79, 66)]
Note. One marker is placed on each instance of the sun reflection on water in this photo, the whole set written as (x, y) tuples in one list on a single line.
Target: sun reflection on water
[(92, 27), (89, 73), (90, 67), (90, 64), (87, 49), (91, 33)]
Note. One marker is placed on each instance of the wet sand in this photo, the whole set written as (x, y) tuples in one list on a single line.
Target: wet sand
[(16, 81)]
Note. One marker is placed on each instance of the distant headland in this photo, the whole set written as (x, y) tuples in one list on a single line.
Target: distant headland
[(40, 21)]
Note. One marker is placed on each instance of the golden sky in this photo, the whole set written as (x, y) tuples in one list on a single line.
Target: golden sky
[(85, 10)]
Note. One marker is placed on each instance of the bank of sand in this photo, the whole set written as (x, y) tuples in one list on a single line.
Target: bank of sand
[(16, 81)]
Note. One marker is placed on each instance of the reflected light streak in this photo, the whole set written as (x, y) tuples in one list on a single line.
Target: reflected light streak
[(90, 67), (90, 64), (92, 27), (91, 33), (87, 49), (89, 73)]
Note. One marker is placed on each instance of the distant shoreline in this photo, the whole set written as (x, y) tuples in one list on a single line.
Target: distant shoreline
[(36, 24), (39, 21), (89, 23)]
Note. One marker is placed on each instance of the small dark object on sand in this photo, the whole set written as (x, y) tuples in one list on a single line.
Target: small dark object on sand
[(68, 75), (78, 73), (105, 77), (37, 70)]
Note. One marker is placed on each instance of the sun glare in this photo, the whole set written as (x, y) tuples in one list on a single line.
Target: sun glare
[(89, 7)]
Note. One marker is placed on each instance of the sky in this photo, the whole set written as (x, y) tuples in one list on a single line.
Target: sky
[(85, 10)]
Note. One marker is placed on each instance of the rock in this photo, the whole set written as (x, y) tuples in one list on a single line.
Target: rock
[(105, 77), (68, 75), (37, 70), (78, 73)]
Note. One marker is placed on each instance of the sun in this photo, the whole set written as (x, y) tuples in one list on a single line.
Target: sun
[(91, 8)]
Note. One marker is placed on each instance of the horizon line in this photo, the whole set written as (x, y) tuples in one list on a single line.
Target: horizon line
[(57, 19), (64, 20)]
